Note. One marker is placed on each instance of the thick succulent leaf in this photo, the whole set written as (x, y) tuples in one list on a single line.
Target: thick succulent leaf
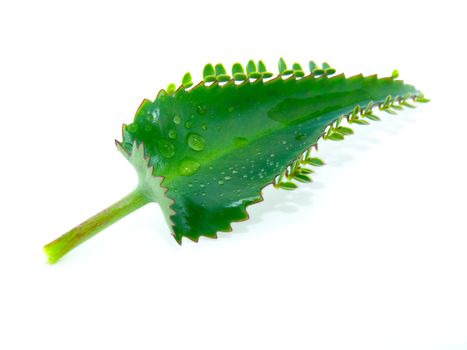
[(217, 146)]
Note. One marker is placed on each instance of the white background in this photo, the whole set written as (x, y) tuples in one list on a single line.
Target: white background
[(372, 255)]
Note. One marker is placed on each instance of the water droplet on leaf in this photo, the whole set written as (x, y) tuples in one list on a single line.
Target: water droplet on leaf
[(188, 167), (132, 127), (172, 134), (188, 124), (177, 119), (195, 141), (300, 136), (201, 109), (166, 148)]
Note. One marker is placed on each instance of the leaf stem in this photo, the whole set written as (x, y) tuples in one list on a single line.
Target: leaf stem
[(89, 228)]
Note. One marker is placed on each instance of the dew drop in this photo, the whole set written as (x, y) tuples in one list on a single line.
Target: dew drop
[(220, 182), (300, 136), (204, 127), (201, 109), (177, 119), (132, 127), (166, 148), (195, 142), (172, 133), (187, 167), (227, 178), (231, 109), (188, 124)]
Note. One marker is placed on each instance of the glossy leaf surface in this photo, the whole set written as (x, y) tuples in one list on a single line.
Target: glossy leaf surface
[(217, 146)]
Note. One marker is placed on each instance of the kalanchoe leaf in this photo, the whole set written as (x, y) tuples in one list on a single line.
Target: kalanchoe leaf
[(297, 70), (312, 65), (208, 73), (406, 104), (302, 178), (422, 99), (221, 73), (335, 136), (263, 70), (390, 111), (283, 67), (287, 185), (238, 73), (306, 171), (328, 69), (314, 69), (171, 88), (237, 68), (373, 117), (204, 154), (187, 80), (359, 121), (344, 130), (356, 111), (220, 69), (315, 161), (251, 67)]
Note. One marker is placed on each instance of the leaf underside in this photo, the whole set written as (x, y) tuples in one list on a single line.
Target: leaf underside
[(215, 147)]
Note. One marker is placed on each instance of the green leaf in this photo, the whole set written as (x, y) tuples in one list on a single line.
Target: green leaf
[(187, 80), (373, 117), (262, 67), (390, 111), (406, 104), (328, 69), (297, 70), (251, 67), (306, 171), (237, 68), (422, 99), (287, 186), (302, 177), (344, 130), (397, 107), (205, 154), (335, 136), (171, 88), (312, 65), (282, 66), (220, 69), (240, 76), (209, 73), (315, 162), (255, 75), (359, 121)]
